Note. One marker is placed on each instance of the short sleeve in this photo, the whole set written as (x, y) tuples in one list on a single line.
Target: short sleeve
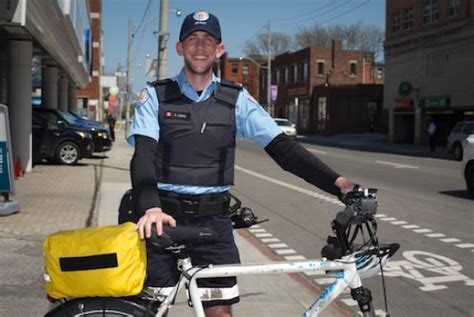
[(145, 119), (253, 122)]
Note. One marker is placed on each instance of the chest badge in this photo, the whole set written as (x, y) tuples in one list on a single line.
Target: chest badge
[(177, 115)]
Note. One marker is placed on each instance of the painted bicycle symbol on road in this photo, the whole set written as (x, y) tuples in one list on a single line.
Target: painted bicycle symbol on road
[(437, 270)]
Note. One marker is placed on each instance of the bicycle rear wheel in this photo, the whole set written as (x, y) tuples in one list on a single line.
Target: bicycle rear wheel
[(105, 307)]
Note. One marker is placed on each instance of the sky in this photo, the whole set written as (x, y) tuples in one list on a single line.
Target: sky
[(240, 20)]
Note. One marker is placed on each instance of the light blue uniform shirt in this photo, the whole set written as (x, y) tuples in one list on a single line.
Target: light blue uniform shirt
[(253, 123)]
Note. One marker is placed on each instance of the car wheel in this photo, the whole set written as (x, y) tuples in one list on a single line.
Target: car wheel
[(469, 175), (457, 152), (68, 153)]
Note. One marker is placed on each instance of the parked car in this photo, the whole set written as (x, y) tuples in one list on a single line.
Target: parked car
[(458, 134), (287, 127), (55, 141), (84, 121), (468, 163), (100, 135)]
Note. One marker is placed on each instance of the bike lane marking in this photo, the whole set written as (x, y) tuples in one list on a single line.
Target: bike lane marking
[(406, 269), (336, 202)]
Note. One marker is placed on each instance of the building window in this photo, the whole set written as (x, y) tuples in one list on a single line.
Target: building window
[(245, 69), (396, 22), (320, 68), (305, 71), (235, 68), (407, 18), (379, 72), (353, 69), (295, 73), (430, 11), (277, 81), (453, 7), (286, 75)]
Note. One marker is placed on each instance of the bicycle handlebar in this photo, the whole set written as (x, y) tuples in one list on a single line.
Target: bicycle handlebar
[(361, 205)]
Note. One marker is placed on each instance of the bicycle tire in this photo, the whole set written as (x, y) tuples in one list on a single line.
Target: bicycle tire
[(106, 307)]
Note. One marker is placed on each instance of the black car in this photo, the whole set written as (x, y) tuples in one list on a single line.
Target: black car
[(100, 135), (55, 141)]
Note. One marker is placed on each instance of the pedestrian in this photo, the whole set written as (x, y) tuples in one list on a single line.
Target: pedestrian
[(111, 121), (184, 132), (432, 129)]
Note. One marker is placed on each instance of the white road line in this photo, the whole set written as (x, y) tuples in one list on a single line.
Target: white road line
[(465, 245), (435, 235), (380, 216), (410, 226), (349, 302), (450, 240), (293, 187), (317, 151), (294, 258), (256, 230), (278, 245), (397, 165), (388, 219), (263, 235), (399, 222), (422, 230), (269, 240), (285, 251)]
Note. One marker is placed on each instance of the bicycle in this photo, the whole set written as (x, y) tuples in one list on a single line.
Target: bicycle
[(348, 257)]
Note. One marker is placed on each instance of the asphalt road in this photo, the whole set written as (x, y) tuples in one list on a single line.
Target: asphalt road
[(423, 206)]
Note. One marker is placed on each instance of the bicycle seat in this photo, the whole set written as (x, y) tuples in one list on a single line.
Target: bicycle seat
[(182, 235)]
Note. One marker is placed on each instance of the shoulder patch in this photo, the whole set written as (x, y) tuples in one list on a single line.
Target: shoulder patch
[(142, 97)]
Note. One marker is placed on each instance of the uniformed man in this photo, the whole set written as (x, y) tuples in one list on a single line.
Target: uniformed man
[(184, 133)]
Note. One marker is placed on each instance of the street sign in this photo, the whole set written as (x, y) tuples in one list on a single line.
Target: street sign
[(404, 89), (441, 102)]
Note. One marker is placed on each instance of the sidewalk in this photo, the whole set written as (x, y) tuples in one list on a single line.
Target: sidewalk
[(55, 197)]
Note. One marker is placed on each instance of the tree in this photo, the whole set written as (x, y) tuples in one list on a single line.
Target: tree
[(280, 43), (357, 36)]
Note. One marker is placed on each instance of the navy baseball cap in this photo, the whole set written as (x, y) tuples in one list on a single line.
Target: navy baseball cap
[(200, 21)]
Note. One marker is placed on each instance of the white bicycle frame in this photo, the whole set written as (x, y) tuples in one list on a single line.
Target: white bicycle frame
[(344, 270)]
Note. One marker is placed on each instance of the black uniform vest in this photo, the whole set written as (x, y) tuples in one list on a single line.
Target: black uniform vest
[(197, 139)]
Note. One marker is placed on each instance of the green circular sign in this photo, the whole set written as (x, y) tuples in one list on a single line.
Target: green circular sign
[(113, 90), (404, 89)]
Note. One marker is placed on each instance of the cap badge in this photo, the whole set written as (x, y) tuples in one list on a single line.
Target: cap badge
[(201, 16)]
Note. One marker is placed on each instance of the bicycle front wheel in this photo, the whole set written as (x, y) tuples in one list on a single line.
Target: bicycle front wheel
[(105, 307)]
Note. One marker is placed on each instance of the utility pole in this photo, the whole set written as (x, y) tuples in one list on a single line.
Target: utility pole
[(129, 77), (163, 35), (269, 70)]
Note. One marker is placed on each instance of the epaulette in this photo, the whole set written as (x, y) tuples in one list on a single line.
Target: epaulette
[(228, 91), (167, 90)]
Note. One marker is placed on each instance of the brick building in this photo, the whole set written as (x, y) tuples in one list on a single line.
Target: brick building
[(90, 101), (242, 70), (295, 75), (429, 51)]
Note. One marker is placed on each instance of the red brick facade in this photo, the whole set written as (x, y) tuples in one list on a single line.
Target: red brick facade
[(425, 15), (242, 71)]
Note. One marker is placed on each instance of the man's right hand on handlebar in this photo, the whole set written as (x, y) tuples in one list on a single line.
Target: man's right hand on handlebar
[(153, 216)]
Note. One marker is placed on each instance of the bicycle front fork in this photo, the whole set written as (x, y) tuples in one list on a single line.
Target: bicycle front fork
[(363, 296)]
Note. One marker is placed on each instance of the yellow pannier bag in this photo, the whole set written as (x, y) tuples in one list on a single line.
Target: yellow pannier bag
[(96, 261)]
